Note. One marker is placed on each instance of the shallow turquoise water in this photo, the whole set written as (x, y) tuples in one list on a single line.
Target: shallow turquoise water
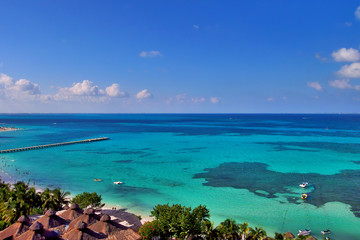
[(157, 156)]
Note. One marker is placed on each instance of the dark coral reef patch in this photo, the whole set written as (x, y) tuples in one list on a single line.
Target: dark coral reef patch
[(256, 177)]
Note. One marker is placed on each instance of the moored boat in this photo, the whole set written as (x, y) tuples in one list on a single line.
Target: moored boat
[(304, 184), (305, 232)]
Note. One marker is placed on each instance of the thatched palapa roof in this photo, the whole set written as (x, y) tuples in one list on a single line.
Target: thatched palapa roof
[(89, 217), (37, 232), (289, 235), (128, 234), (51, 220), (21, 226), (106, 226), (81, 232), (73, 212)]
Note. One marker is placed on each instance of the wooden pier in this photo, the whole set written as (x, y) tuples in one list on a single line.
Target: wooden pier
[(53, 145)]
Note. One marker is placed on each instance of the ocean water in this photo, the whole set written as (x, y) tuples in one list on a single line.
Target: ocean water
[(241, 166)]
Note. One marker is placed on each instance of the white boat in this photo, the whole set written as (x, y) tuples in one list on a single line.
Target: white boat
[(325, 232), (304, 184), (305, 232), (118, 183)]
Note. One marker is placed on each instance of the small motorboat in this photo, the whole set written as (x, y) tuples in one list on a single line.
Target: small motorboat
[(97, 180), (304, 196), (118, 183), (324, 232), (304, 184), (305, 232)]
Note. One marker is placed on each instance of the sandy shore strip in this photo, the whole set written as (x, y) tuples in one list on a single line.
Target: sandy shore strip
[(7, 129), (117, 213)]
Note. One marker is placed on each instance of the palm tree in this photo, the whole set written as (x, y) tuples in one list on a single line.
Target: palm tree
[(208, 230), (229, 229), (257, 233), (244, 230), (59, 198)]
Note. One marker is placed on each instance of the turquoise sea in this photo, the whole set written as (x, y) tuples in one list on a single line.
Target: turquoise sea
[(241, 166)]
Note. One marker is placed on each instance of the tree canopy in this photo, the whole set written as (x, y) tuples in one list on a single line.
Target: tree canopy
[(87, 199)]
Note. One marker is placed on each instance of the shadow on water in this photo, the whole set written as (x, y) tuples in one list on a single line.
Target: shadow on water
[(341, 187)]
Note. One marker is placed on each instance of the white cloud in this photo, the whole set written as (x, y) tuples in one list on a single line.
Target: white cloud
[(25, 86), (346, 55), (22, 89), (350, 71), (84, 88), (5, 80), (214, 100), (150, 54), (114, 91), (143, 94), (81, 91), (357, 13), (348, 24), (198, 100), (196, 27), (315, 85), (88, 91), (270, 99), (343, 84)]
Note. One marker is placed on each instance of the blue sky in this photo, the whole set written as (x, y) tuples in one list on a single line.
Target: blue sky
[(180, 56)]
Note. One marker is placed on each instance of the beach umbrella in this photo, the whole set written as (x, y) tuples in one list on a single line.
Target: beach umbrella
[(37, 232), (128, 234), (16, 229), (289, 235), (107, 226), (81, 232), (89, 217), (73, 212)]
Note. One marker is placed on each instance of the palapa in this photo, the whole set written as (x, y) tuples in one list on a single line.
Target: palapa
[(51, 220), (37, 232), (81, 232), (289, 235), (107, 226), (128, 234), (16, 229), (89, 217), (73, 212)]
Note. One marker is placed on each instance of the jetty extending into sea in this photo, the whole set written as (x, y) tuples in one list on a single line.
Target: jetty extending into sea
[(53, 145)]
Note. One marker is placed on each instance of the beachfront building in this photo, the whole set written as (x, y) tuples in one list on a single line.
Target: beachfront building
[(70, 224)]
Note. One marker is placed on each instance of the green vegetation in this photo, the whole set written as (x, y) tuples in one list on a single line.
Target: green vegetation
[(171, 222), (180, 222), (86, 199), (21, 199)]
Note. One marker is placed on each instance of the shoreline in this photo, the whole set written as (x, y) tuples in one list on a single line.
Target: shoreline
[(126, 214), (8, 129)]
